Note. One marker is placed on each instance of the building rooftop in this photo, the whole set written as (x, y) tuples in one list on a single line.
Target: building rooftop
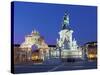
[(16, 45), (51, 45)]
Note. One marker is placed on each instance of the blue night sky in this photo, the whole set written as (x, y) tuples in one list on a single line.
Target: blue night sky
[(47, 19)]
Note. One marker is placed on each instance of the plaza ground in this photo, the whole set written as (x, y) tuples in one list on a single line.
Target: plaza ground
[(29, 68)]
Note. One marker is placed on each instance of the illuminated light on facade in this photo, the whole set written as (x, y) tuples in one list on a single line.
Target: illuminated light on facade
[(30, 40), (37, 40), (91, 56), (91, 50), (35, 57)]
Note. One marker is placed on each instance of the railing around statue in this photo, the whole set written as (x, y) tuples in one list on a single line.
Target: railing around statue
[(64, 55)]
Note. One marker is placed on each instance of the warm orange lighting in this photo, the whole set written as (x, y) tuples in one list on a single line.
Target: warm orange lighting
[(35, 57), (91, 56)]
